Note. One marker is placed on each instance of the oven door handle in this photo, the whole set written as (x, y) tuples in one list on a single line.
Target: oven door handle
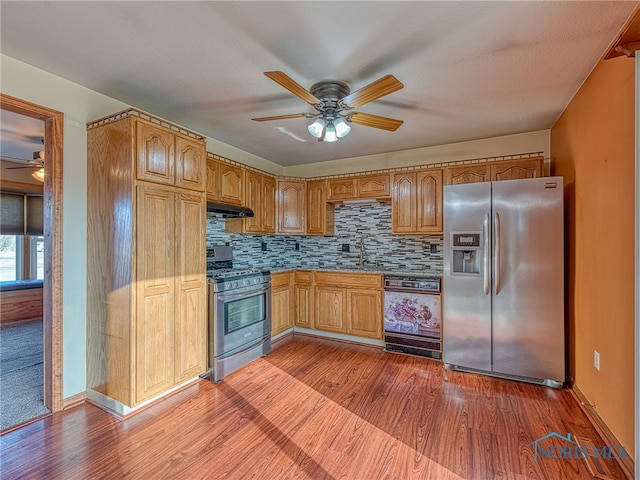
[(242, 293)]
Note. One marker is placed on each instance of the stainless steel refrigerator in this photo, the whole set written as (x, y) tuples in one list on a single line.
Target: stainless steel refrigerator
[(503, 282)]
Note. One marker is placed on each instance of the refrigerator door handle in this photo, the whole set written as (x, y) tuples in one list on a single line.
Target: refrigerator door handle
[(485, 232), (496, 253)]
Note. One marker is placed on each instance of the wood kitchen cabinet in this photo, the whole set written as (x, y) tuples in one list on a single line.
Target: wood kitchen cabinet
[(282, 302), (146, 270), (416, 205), (225, 182), (260, 196), (341, 189), (291, 206), (359, 187), (303, 298), (494, 171), (516, 169), (348, 303), (320, 216)]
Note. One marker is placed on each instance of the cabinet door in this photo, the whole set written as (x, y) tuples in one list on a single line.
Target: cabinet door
[(191, 287), (342, 189), (268, 204), (155, 154), (281, 309), (373, 186), (330, 308), (516, 169), (320, 214), (155, 293), (403, 203), (213, 180), (429, 201), (231, 183), (467, 174), (190, 164), (291, 207), (364, 313), (253, 200)]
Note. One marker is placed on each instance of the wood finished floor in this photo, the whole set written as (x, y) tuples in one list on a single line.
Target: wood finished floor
[(314, 409)]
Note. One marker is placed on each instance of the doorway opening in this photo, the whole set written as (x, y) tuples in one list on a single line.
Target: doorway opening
[(51, 244)]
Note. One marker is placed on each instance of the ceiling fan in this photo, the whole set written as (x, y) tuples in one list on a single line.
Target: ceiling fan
[(37, 163), (334, 103)]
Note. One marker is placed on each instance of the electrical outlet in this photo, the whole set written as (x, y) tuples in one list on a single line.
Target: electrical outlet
[(297, 246), (263, 246), (345, 247), (596, 360)]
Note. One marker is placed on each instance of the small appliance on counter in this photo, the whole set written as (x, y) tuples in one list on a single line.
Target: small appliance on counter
[(412, 315), (239, 312)]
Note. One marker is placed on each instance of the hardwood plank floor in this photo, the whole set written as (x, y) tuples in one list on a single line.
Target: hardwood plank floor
[(315, 409)]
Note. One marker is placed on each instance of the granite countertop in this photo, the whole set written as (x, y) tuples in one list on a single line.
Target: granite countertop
[(356, 269)]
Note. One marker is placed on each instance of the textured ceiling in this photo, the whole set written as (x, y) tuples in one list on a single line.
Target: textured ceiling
[(470, 69)]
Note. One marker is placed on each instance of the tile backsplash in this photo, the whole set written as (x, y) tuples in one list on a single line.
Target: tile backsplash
[(369, 221)]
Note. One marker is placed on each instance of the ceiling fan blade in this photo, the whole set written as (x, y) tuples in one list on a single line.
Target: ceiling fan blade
[(381, 87), (26, 166), (298, 90), (280, 117), (375, 121)]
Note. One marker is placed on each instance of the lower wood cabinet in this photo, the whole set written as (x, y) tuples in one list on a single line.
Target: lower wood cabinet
[(349, 303), (303, 298), (282, 305)]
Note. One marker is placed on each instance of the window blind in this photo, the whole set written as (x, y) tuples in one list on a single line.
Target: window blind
[(21, 214)]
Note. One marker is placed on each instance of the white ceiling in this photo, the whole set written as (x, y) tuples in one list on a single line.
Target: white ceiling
[(470, 69)]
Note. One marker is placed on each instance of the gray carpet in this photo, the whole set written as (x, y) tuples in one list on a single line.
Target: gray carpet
[(21, 372)]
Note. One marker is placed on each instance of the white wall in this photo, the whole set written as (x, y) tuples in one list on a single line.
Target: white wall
[(490, 147), (81, 105)]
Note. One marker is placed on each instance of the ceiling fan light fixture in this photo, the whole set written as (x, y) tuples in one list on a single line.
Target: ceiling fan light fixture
[(342, 129), (330, 134), (316, 128), (38, 175)]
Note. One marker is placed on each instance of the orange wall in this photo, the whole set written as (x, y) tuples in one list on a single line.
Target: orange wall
[(592, 146)]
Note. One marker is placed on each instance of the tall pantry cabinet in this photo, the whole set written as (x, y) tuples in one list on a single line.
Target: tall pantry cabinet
[(146, 299)]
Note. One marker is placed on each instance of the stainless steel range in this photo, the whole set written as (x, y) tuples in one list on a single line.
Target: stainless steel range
[(239, 313)]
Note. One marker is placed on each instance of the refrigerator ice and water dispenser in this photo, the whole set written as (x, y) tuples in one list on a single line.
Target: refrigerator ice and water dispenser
[(466, 253)]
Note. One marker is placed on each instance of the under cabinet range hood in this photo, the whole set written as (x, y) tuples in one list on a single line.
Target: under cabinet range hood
[(229, 211)]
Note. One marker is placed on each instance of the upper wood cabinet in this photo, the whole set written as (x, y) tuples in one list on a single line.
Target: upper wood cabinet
[(291, 206), (260, 196), (416, 205), (341, 189), (169, 158), (320, 214), (467, 174), (516, 169), (494, 171), (374, 186), (364, 186), (225, 182), (146, 268)]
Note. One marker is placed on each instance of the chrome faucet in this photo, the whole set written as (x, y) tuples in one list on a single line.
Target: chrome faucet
[(363, 255)]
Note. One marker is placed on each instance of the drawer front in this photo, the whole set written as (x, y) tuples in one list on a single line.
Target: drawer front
[(280, 279), (304, 276), (361, 280)]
